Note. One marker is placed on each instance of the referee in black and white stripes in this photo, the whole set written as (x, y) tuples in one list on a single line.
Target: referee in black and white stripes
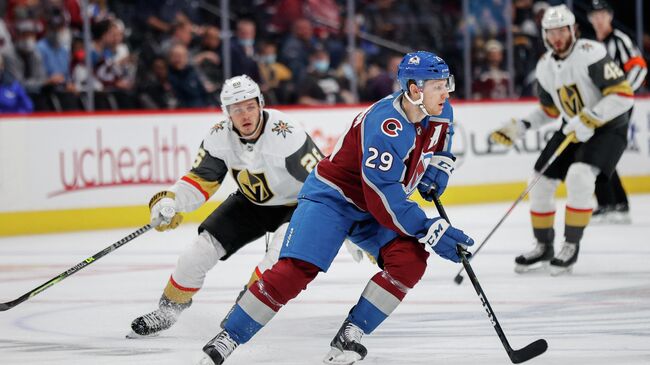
[(612, 200)]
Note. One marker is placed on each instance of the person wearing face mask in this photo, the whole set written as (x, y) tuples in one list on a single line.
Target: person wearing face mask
[(28, 63), (319, 86), (242, 50), (56, 59), (13, 98), (275, 76)]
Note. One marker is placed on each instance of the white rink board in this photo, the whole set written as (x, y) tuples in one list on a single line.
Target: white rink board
[(68, 162)]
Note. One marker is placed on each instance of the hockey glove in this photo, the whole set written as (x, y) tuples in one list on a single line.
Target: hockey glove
[(163, 211), (583, 127), (436, 176), (354, 250), (443, 238), (511, 131)]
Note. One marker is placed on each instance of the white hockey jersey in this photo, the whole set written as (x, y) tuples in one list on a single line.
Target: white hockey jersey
[(587, 83), (269, 171)]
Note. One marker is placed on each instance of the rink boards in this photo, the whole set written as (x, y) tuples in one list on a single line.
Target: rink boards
[(80, 171)]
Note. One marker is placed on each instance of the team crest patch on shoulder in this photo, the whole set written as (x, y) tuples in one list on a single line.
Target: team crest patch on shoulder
[(391, 127), (586, 46), (218, 127), (282, 128)]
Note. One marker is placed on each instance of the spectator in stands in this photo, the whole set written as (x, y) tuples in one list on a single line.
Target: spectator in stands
[(383, 82), (28, 63), (184, 79), (56, 58), (207, 60), (181, 34), (276, 77), (242, 51), (347, 73), (297, 47), (245, 35), (493, 80), (79, 72), (113, 74), (13, 98), (319, 86), (155, 91), (6, 45)]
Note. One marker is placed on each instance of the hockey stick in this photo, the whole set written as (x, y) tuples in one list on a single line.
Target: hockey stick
[(567, 141), (77, 267), (516, 356)]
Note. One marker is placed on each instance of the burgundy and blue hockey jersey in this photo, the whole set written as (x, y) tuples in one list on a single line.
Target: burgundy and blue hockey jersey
[(378, 163)]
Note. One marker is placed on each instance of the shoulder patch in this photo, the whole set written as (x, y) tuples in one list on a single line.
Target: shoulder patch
[(282, 128), (586, 47), (218, 127), (391, 127)]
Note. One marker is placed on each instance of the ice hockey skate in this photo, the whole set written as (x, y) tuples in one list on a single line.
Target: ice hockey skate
[(535, 260), (616, 214), (564, 261), (218, 349), (346, 346), (151, 324)]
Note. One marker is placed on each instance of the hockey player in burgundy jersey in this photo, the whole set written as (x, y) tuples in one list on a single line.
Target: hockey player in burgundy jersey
[(398, 145)]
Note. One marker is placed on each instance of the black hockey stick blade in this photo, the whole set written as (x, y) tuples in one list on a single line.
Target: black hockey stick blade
[(458, 279), (532, 350)]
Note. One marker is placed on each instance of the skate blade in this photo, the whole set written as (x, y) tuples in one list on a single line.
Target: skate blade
[(134, 336), (338, 357), (535, 268), (559, 270)]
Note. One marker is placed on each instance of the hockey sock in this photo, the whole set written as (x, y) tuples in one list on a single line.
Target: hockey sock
[(177, 293), (379, 299), (575, 222), (263, 300), (404, 264), (543, 226)]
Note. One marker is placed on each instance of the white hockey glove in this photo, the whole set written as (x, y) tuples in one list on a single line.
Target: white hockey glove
[(443, 238), (163, 211), (357, 252), (582, 126), (511, 131), (354, 250)]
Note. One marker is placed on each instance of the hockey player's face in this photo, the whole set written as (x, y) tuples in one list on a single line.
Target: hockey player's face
[(245, 116), (435, 94), (559, 39)]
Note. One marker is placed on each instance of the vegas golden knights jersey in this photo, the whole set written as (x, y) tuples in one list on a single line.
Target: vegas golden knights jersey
[(269, 171), (587, 83)]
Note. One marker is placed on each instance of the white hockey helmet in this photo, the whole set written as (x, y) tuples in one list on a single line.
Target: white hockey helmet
[(239, 88), (557, 17)]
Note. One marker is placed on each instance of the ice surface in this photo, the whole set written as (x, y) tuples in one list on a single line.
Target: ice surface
[(598, 315)]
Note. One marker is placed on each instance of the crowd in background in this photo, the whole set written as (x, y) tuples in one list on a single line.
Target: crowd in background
[(169, 54)]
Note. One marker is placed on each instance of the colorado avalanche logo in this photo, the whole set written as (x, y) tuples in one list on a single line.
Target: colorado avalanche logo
[(415, 60), (391, 127)]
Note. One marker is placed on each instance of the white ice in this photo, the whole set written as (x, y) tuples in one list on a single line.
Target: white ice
[(598, 315)]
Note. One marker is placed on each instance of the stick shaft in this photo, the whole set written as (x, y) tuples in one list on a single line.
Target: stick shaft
[(71, 271)]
